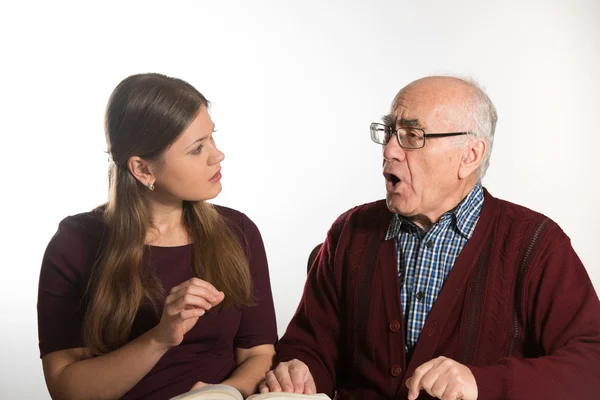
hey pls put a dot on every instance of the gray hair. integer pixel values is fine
(477, 113)
(481, 120)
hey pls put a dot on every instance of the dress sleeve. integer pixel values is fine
(257, 325)
(60, 305)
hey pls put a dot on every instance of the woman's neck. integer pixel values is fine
(167, 227)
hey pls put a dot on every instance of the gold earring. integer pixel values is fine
(150, 186)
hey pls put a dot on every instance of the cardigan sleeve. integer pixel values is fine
(313, 333)
(563, 319)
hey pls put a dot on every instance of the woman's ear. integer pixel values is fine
(141, 170)
(472, 158)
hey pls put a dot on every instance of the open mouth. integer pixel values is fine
(393, 179)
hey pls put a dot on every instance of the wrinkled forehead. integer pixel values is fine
(424, 107)
(413, 111)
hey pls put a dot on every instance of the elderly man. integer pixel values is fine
(442, 290)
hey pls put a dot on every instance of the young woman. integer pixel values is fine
(157, 291)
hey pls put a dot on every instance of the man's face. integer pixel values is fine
(419, 180)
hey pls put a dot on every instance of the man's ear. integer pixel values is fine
(472, 158)
(141, 170)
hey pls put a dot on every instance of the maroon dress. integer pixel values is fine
(207, 352)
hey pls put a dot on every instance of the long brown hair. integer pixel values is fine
(146, 113)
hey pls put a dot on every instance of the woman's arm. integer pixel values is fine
(253, 364)
(75, 374)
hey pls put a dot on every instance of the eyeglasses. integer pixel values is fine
(408, 138)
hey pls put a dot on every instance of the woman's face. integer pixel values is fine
(190, 168)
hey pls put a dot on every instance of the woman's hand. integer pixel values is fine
(199, 385)
(183, 306)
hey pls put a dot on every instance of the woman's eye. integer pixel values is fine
(197, 150)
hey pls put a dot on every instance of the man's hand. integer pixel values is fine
(443, 378)
(292, 376)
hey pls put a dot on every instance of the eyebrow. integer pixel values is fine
(389, 120)
(201, 139)
(410, 123)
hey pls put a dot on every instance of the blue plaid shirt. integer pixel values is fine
(426, 258)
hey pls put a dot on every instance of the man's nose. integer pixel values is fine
(393, 151)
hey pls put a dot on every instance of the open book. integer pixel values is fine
(225, 392)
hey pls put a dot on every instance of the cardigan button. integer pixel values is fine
(396, 370)
(394, 326)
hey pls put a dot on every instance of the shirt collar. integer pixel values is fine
(464, 216)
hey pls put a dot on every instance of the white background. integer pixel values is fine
(294, 86)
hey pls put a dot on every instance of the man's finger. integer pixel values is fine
(439, 386)
(414, 383)
(435, 380)
(263, 387)
(283, 377)
(272, 382)
(310, 387)
(298, 378)
(452, 392)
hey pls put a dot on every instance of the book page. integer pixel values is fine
(288, 396)
(211, 392)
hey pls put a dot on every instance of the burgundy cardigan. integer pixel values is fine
(518, 308)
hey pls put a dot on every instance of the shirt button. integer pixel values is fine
(394, 326)
(396, 370)
(429, 244)
(420, 296)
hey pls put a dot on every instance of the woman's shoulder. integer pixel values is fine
(87, 224)
(79, 233)
(238, 220)
(74, 248)
(229, 213)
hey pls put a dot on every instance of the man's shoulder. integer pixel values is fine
(517, 217)
(370, 216)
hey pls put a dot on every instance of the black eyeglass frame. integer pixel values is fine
(374, 125)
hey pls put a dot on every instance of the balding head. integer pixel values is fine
(452, 121)
(462, 104)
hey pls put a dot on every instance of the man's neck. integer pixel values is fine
(427, 220)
